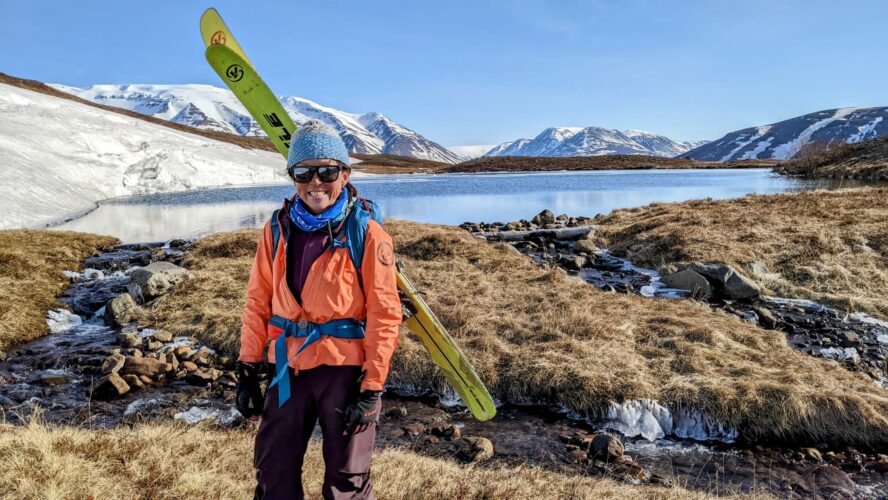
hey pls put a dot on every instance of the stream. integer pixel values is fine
(61, 375)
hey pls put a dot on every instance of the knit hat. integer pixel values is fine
(314, 140)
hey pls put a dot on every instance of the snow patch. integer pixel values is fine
(195, 414)
(788, 149)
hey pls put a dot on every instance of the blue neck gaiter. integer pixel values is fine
(309, 222)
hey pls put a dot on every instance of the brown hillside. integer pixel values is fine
(609, 162)
(863, 160)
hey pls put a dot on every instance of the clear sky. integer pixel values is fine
(484, 72)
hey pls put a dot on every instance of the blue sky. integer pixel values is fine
(483, 72)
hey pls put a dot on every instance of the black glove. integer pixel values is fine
(358, 416)
(249, 401)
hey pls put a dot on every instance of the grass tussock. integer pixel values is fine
(538, 335)
(31, 279)
(162, 461)
(828, 246)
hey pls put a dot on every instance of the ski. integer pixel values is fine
(230, 63)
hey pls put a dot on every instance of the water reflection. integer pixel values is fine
(442, 199)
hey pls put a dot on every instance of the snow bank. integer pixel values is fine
(59, 157)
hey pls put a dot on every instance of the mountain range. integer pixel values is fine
(213, 108)
(593, 141)
(783, 139)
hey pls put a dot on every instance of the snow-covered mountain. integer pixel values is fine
(782, 140)
(59, 157)
(213, 108)
(471, 151)
(592, 141)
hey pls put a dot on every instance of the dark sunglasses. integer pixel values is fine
(326, 173)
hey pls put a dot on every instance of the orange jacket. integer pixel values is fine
(332, 291)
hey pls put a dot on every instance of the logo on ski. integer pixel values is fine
(234, 72)
(218, 38)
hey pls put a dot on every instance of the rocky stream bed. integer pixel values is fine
(99, 368)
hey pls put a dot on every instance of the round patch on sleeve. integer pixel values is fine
(386, 254)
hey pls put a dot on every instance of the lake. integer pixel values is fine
(441, 199)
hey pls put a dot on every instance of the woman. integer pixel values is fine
(334, 320)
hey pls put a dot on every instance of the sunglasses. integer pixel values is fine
(326, 173)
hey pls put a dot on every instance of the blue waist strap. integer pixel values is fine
(345, 328)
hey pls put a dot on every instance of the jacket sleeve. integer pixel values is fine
(257, 311)
(383, 306)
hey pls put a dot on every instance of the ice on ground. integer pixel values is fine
(651, 420)
(142, 404)
(60, 320)
(195, 414)
(883, 338)
(841, 354)
(866, 318)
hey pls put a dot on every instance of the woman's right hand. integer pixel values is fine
(249, 401)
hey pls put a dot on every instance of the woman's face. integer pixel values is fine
(319, 196)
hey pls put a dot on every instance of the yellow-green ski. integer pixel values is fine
(229, 62)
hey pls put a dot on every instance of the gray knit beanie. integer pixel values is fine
(316, 139)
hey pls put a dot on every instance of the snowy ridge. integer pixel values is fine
(213, 108)
(60, 157)
(593, 141)
(782, 140)
(470, 152)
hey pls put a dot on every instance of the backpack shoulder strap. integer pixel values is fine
(275, 233)
(356, 228)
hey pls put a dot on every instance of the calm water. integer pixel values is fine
(442, 199)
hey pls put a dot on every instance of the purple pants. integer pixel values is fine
(318, 395)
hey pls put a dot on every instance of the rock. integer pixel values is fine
(741, 288)
(757, 268)
(129, 339)
(399, 412)
(813, 454)
(512, 226)
(145, 366)
(113, 364)
(543, 218)
(109, 387)
(120, 310)
(574, 263)
(578, 456)
(201, 377)
(153, 345)
(766, 319)
(849, 339)
(162, 336)
(444, 430)
(188, 366)
(154, 280)
(689, 280)
(587, 246)
(414, 429)
(54, 377)
(606, 447)
(716, 272)
(478, 449)
(145, 379)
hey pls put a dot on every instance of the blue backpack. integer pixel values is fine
(362, 210)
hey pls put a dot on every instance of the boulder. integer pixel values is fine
(715, 272)
(689, 280)
(113, 364)
(154, 280)
(145, 366)
(120, 310)
(477, 449)
(574, 263)
(766, 319)
(129, 339)
(543, 218)
(741, 288)
(162, 336)
(606, 447)
(109, 387)
(587, 246)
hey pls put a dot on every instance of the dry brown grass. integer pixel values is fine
(162, 461)
(828, 246)
(863, 160)
(31, 265)
(536, 335)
